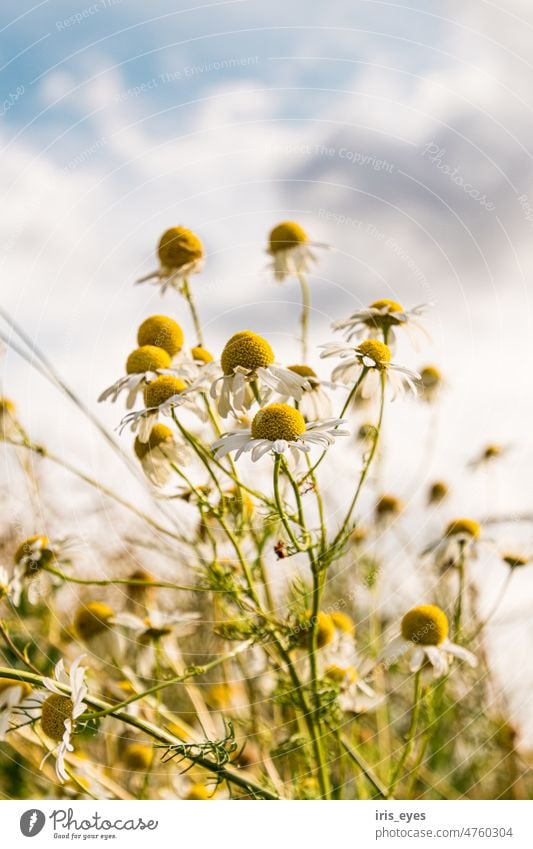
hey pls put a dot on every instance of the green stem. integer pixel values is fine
(363, 766)
(186, 291)
(132, 582)
(305, 314)
(410, 738)
(458, 613)
(280, 508)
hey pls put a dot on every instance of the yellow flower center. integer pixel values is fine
(138, 757)
(430, 376)
(278, 421)
(7, 406)
(375, 350)
(161, 331)
(200, 355)
(29, 549)
(325, 629)
(159, 434)
(339, 674)
(198, 791)
(286, 235)
(306, 371)
(392, 306)
(92, 619)
(343, 622)
(147, 358)
(437, 492)
(246, 350)
(178, 247)
(426, 625)
(515, 561)
(55, 709)
(7, 683)
(161, 389)
(492, 451)
(388, 505)
(468, 527)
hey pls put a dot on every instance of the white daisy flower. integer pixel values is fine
(143, 366)
(11, 586)
(161, 397)
(59, 711)
(159, 452)
(431, 383)
(180, 254)
(315, 403)
(31, 560)
(384, 315)
(290, 249)
(247, 364)
(374, 357)
(157, 629)
(277, 429)
(425, 637)
(461, 537)
(13, 694)
(355, 695)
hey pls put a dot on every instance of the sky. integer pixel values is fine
(398, 135)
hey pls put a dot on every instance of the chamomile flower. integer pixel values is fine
(59, 711)
(315, 402)
(355, 695)
(156, 630)
(437, 492)
(93, 625)
(387, 508)
(162, 332)
(374, 357)
(431, 383)
(277, 429)
(8, 419)
(11, 586)
(143, 365)
(290, 249)
(13, 694)
(31, 559)
(159, 452)
(161, 397)
(424, 636)
(384, 315)
(461, 538)
(181, 254)
(248, 362)
(490, 453)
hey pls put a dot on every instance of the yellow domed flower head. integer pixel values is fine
(140, 591)
(92, 619)
(161, 389)
(159, 435)
(464, 527)
(431, 381)
(7, 407)
(343, 622)
(179, 247)
(34, 554)
(325, 629)
(388, 506)
(375, 352)
(143, 365)
(278, 421)
(148, 358)
(249, 370)
(359, 535)
(305, 371)
(198, 792)
(515, 561)
(315, 403)
(437, 492)
(341, 674)
(161, 396)
(426, 625)
(369, 360)
(290, 249)
(163, 332)
(138, 757)
(276, 429)
(180, 253)
(201, 355)
(55, 710)
(384, 315)
(239, 503)
(246, 350)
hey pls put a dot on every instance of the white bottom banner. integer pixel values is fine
(313, 825)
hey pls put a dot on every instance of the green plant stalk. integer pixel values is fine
(161, 735)
(305, 314)
(280, 508)
(458, 612)
(410, 738)
(187, 294)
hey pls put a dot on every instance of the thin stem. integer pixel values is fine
(304, 317)
(458, 613)
(410, 738)
(186, 291)
(280, 508)
(132, 582)
(363, 766)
